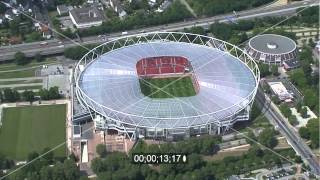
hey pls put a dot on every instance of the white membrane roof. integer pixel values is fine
(112, 87)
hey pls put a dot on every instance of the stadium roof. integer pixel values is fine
(272, 44)
(112, 81)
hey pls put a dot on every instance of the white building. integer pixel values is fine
(281, 91)
(86, 17)
(63, 9)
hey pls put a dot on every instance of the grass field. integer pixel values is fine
(179, 88)
(32, 128)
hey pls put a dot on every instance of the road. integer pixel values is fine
(276, 118)
(54, 46)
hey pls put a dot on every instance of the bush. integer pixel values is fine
(293, 120)
(285, 110)
(101, 150)
(21, 59)
(304, 112)
(267, 138)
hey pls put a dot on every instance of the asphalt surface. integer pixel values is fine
(55, 46)
(274, 115)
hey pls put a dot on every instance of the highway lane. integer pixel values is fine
(293, 138)
(55, 46)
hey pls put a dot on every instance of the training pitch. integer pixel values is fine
(170, 87)
(32, 128)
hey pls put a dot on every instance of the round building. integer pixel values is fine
(167, 85)
(272, 49)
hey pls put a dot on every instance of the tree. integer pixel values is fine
(48, 155)
(304, 133)
(58, 171)
(221, 31)
(298, 159)
(28, 96)
(101, 150)
(285, 110)
(97, 165)
(311, 132)
(299, 106)
(3, 8)
(304, 112)
(275, 100)
(313, 128)
(293, 120)
(54, 93)
(274, 70)
(71, 171)
(267, 138)
(34, 36)
(264, 70)
(21, 59)
(1, 96)
(38, 57)
(44, 94)
(312, 44)
(32, 156)
(46, 172)
(11, 95)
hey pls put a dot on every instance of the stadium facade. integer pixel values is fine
(272, 49)
(107, 84)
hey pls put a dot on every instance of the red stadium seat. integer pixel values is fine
(161, 65)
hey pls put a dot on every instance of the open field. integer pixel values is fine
(180, 88)
(20, 82)
(12, 70)
(17, 74)
(14, 66)
(32, 128)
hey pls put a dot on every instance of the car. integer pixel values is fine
(44, 43)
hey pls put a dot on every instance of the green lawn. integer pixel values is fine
(17, 74)
(14, 66)
(20, 82)
(32, 128)
(179, 88)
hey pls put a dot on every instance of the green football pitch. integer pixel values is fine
(175, 86)
(32, 128)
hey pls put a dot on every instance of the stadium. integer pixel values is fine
(272, 49)
(167, 85)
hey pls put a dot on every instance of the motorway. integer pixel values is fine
(55, 46)
(276, 118)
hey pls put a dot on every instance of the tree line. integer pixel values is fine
(311, 132)
(45, 167)
(12, 95)
(215, 7)
(117, 165)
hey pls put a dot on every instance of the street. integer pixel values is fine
(276, 118)
(54, 46)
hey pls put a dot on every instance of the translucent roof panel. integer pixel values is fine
(112, 81)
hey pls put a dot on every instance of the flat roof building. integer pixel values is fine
(280, 90)
(86, 17)
(288, 65)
